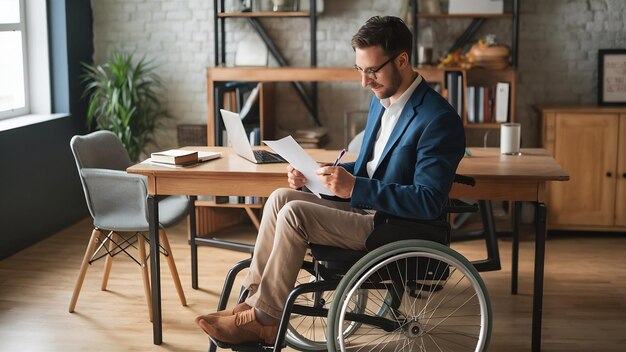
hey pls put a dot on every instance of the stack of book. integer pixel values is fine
(181, 157)
(488, 105)
(311, 137)
(479, 104)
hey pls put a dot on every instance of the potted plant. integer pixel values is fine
(123, 98)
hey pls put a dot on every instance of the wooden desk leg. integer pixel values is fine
(155, 267)
(516, 219)
(540, 249)
(192, 241)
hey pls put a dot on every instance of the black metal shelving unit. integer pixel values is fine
(309, 99)
(477, 21)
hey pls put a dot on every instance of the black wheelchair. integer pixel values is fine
(408, 292)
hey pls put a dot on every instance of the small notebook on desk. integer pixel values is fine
(175, 157)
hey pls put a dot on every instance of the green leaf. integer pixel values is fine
(123, 97)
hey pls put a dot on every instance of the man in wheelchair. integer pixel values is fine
(413, 143)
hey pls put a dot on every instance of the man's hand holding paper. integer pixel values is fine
(295, 178)
(291, 151)
(303, 170)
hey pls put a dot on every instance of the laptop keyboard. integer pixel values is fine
(265, 156)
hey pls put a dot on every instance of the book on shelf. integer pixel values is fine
(312, 137)
(255, 136)
(175, 157)
(250, 99)
(480, 102)
(502, 101)
(471, 104)
(488, 101)
(454, 84)
(459, 97)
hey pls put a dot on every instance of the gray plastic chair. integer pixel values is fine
(117, 203)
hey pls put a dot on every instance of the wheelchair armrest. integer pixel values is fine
(465, 180)
(459, 206)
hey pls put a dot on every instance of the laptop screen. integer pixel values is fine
(237, 134)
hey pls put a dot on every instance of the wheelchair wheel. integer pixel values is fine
(308, 333)
(433, 299)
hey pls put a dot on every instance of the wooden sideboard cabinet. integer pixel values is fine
(590, 143)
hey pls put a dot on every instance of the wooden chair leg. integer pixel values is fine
(108, 261)
(144, 272)
(172, 265)
(91, 247)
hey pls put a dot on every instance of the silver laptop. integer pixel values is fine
(240, 142)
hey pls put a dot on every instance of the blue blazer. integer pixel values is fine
(418, 164)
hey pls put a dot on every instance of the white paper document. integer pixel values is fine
(291, 151)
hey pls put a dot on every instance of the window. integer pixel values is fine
(13, 75)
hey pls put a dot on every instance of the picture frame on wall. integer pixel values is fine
(612, 77)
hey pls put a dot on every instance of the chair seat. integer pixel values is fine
(171, 210)
(335, 254)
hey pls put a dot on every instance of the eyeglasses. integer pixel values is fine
(371, 72)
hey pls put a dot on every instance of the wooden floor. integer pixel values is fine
(584, 302)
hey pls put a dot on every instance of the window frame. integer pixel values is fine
(21, 26)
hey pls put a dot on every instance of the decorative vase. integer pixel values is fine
(492, 57)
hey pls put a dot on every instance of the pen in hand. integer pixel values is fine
(343, 151)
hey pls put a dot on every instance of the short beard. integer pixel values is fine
(391, 88)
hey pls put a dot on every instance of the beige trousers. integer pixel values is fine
(291, 220)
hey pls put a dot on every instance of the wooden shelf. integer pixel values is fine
(464, 15)
(264, 14)
(282, 74)
(489, 125)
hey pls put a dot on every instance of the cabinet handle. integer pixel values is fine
(609, 174)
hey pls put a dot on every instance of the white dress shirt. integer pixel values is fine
(388, 122)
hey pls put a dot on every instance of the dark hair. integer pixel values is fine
(389, 32)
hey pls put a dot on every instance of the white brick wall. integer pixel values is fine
(558, 46)
(559, 42)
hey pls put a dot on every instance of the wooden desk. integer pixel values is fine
(516, 178)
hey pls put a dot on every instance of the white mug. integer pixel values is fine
(510, 136)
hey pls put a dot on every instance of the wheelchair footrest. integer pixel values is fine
(245, 347)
